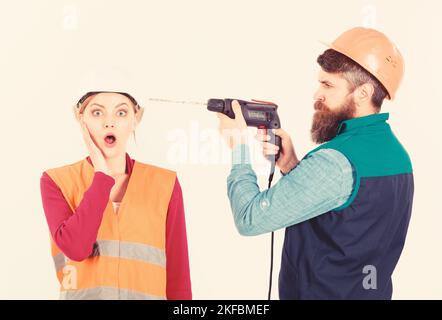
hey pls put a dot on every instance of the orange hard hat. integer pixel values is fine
(373, 51)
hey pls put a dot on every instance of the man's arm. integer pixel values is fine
(318, 184)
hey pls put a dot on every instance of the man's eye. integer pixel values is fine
(122, 113)
(96, 112)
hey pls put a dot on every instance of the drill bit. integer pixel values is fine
(199, 103)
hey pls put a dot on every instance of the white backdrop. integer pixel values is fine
(196, 50)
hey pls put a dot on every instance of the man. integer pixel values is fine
(346, 205)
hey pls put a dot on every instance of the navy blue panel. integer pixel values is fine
(324, 258)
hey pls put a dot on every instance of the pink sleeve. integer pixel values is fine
(75, 234)
(177, 260)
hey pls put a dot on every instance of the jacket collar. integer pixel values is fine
(373, 119)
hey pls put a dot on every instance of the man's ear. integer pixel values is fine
(364, 93)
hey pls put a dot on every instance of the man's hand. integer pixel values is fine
(287, 159)
(234, 131)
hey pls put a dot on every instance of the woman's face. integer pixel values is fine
(108, 114)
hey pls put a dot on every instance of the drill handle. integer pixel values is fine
(276, 140)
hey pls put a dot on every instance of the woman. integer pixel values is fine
(117, 225)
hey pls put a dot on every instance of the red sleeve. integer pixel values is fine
(75, 234)
(177, 260)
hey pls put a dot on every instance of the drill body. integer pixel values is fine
(259, 114)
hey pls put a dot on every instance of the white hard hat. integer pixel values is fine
(108, 80)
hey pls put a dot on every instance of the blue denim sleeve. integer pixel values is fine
(319, 183)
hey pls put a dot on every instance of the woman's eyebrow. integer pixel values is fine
(101, 106)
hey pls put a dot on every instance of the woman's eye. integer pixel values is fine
(122, 113)
(96, 112)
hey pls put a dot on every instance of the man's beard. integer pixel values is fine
(326, 122)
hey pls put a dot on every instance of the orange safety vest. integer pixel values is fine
(129, 259)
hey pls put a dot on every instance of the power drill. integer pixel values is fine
(260, 114)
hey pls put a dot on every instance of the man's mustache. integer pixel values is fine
(319, 106)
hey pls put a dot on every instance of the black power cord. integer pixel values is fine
(273, 160)
(271, 266)
(272, 171)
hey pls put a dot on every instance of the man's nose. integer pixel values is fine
(318, 96)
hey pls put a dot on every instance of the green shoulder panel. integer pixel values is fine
(373, 151)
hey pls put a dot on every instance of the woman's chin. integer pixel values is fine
(110, 152)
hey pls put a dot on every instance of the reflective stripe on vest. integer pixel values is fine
(126, 250)
(128, 260)
(106, 293)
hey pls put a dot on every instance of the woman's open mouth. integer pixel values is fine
(110, 140)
